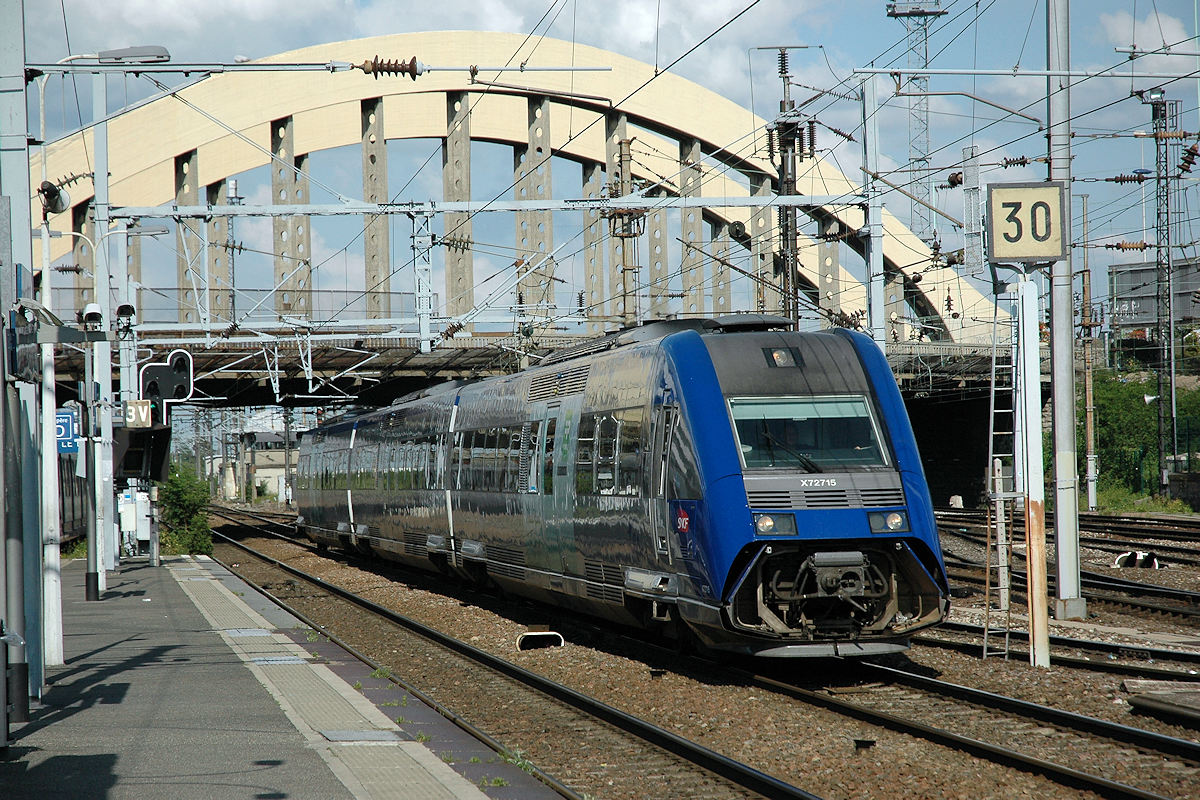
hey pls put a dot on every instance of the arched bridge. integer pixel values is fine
(615, 129)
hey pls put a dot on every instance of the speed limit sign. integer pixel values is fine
(1025, 222)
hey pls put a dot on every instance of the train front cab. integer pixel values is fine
(842, 555)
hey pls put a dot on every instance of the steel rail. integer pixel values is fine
(1111, 667)
(993, 753)
(1124, 734)
(741, 774)
(1114, 648)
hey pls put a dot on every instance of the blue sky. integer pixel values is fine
(982, 34)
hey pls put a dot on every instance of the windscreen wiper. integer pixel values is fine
(804, 460)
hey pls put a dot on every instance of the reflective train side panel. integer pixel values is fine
(758, 490)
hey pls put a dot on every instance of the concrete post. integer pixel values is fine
(1068, 604)
(376, 236)
(691, 229)
(456, 185)
(1029, 376)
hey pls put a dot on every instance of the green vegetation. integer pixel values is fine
(486, 782)
(517, 758)
(420, 737)
(381, 672)
(183, 501)
(1127, 441)
(75, 549)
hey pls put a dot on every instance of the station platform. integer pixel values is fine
(184, 682)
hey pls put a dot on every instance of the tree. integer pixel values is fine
(1126, 428)
(183, 502)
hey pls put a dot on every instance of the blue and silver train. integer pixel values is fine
(752, 489)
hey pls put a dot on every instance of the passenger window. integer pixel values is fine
(606, 450)
(548, 460)
(683, 476)
(585, 480)
(629, 453)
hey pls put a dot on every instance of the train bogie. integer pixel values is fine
(758, 486)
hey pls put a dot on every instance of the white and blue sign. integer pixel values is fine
(66, 430)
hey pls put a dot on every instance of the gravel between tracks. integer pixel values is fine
(809, 747)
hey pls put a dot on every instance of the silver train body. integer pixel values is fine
(755, 489)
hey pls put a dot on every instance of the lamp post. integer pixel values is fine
(100, 465)
(98, 372)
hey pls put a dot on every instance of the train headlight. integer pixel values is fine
(774, 524)
(888, 521)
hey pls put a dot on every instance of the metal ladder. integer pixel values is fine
(1004, 482)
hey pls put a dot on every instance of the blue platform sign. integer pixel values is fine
(66, 430)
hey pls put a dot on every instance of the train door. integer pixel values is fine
(663, 420)
(558, 496)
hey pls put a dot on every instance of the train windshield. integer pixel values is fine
(813, 434)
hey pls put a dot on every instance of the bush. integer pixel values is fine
(183, 503)
(1114, 497)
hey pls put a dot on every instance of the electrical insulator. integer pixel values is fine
(1189, 159)
(1126, 246)
(949, 301)
(1016, 162)
(380, 66)
(1127, 179)
(579, 303)
(954, 179)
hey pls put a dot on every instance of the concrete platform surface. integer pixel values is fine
(176, 687)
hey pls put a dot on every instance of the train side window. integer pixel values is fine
(526, 455)
(585, 453)
(490, 465)
(511, 441)
(606, 454)
(462, 460)
(683, 476)
(302, 475)
(437, 454)
(629, 452)
(548, 461)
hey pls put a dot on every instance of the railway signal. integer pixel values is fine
(166, 383)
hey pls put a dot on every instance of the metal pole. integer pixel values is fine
(287, 456)
(1029, 376)
(787, 131)
(8, 609)
(91, 578)
(1089, 406)
(16, 248)
(52, 635)
(1158, 106)
(102, 454)
(876, 312)
(1068, 604)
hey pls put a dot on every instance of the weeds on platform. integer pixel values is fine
(183, 503)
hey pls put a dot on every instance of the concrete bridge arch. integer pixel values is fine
(174, 150)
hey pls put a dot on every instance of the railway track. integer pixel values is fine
(452, 672)
(897, 705)
(1098, 587)
(1129, 660)
(1128, 530)
(1082, 752)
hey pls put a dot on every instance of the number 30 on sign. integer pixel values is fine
(1025, 222)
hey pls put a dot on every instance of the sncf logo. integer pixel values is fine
(682, 521)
